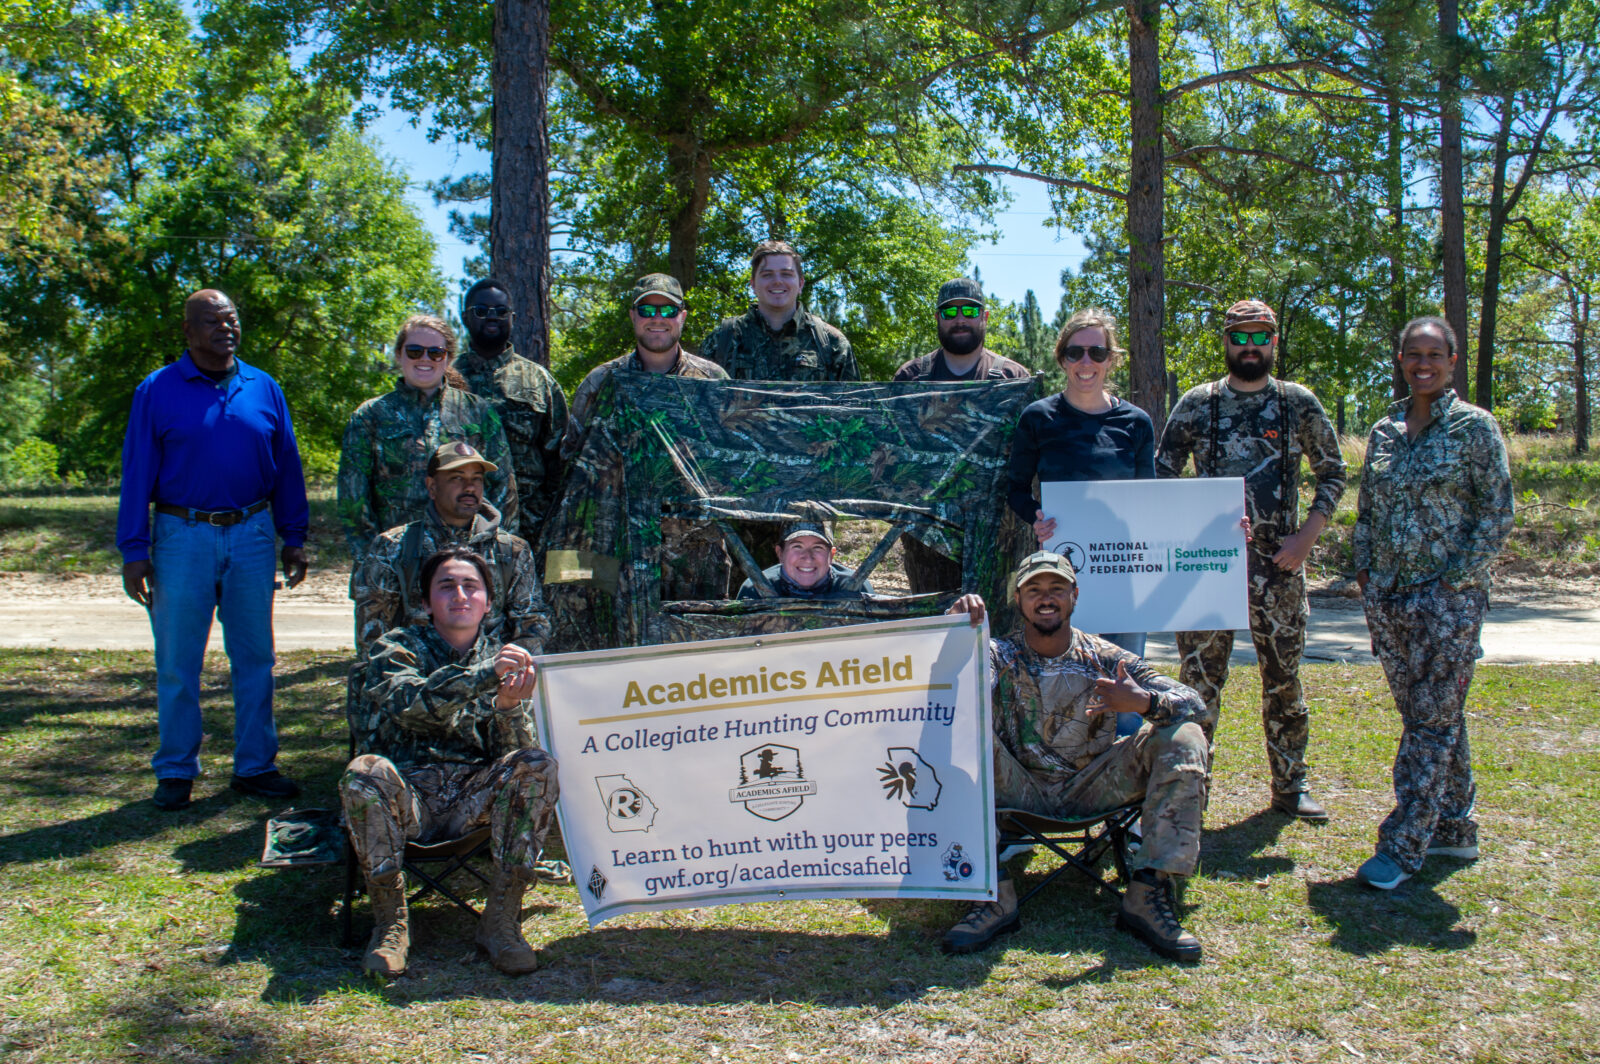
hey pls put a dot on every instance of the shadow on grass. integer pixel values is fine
(1367, 921)
(1237, 847)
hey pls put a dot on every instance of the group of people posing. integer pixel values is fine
(444, 481)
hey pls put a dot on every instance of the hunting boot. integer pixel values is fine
(391, 937)
(500, 927)
(985, 921)
(1147, 911)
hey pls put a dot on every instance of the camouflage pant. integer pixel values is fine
(385, 807)
(1278, 614)
(1427, 639)
(1168, 768)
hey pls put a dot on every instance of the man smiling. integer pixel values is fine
(778, 339)
(806, 567)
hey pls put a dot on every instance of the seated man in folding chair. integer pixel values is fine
(1057, 693)
(446, 747)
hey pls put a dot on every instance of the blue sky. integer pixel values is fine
(1027, 255)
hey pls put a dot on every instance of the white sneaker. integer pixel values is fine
(1016, 849)
(1466, 853)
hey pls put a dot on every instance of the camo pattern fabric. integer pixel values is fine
(1278, 615)
(1426, 637)
(533, 411)
(516, 610)
(1054, 758)
(384, 459)
(385, 807)
(422, 703)
(1437, 506)
(1249, 442)
(805, 349)
(931, 458)
(687, 365)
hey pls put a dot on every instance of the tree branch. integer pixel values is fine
(1058, 182)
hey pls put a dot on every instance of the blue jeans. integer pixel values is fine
(1133, 643)
(201, 570)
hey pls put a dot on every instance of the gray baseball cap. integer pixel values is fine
(960, 290)
(657, 284)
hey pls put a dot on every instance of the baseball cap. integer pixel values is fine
(457, 453)
(1038, 564)
(1249, 312)
(807, 528)
(657, 284)
(962, 290)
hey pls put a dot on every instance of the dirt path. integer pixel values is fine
(1529, 621)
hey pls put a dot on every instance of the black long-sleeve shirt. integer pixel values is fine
(1057, 441)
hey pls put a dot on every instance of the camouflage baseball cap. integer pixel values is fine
(454, 455)
(1038, 564)
(1249, 312)
(807, 528)
(960, 290)
(657, 284)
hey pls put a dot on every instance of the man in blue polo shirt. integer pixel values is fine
(210, 443)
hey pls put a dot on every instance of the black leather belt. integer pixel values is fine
(220, 518)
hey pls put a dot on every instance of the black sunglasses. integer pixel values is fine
(1260, 339)
(1074, 352)
(966, 310)
(481, 312)
(655, 310)
(432, 354)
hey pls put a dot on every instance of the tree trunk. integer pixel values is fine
(1451, 194)
(519, 201)
(690, 174)
(1395, 195)
(1493, 248)
(1146, 255)
(1580, 380)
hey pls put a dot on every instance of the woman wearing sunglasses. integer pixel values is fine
(1082, 433)
(383, 462)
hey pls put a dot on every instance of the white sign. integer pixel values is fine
(843, 763)
(1153, 555)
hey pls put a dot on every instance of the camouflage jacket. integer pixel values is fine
(828, 589)
(583, 399)
(1436, 506)
(1041, 704)
(423, 703)
(388, 593)
(385, 455)
(533, 410)
(805, 349)
(1260, 436)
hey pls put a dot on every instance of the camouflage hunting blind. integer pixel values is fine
(676, 477)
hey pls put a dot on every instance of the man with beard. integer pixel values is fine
(656, 311)
(531, 406)
(1254, 426)
(1057, 693)
(778, 339)
(387, 588)
(962, 319)
(694, 562)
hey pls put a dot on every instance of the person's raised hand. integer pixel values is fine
(1043, 527)
(971, 605)
(1120, 695)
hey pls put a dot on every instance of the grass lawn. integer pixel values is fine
(128, 934)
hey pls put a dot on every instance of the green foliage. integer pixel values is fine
(33, 463)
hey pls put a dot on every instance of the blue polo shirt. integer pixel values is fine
(209, 445)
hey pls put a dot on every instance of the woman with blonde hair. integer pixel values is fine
(387, 444)
(1082, 432)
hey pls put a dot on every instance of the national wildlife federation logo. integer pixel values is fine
(628, 808)
(772, 782)
(909, 778)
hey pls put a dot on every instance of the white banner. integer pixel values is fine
(843, 763)
(1153, 555)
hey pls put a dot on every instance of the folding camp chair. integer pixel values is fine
(1080, 843)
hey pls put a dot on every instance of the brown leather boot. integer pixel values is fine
(390, 943)
(1147, 911)
(985, 921)
(500, 927)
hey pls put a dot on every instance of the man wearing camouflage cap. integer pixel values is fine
(806, 567)
(531, 405)
(1252, 425)
(656, 310)
(387, 589)
(961, 316)
(1056, 695)
(778, 339)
